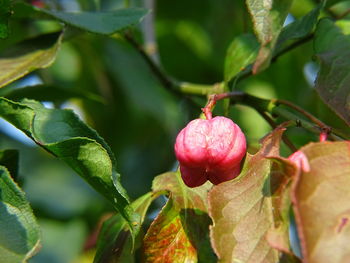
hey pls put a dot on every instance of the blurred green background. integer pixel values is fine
(118, 95)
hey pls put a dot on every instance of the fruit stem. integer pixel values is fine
(214, 98)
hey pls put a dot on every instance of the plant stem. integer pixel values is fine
(195, 89)
(312, 118)
(200, 89)
(292, 46)
(261, 105)
(273, 124)
(271, 107)
(249, 72)
(284, 113)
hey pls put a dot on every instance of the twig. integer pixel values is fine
(272, 123)
(270, 106)
(304, 123)
(249, 71)
(292, 46)
(260, 105)
(325, 128)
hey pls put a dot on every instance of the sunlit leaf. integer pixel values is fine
(241, 52)
(28, 56)
(242, 209)
(166, 239)
(268, 17)
(19, 231)
(183, 196)
(63, 134)
(321, 203)
(185, 212)
(332, 48)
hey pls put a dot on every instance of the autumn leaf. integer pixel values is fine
(321, 203)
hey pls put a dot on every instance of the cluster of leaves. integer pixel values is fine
(247, 219)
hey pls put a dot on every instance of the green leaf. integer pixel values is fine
(5, 13)
(9, 159)
(187, 211)
(242, 209)
(166, 239)
(183, 196)
(332, 48)
(64, 135)
(301, 27)
(105, 23)
(19, 231)
(28, 56)
(114, 240)
(268, 17)
(241, 53)
(321, 203)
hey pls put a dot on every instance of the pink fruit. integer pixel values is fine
(210, 150)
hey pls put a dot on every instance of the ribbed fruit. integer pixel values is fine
(210, 150)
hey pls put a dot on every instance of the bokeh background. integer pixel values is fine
(110, 86)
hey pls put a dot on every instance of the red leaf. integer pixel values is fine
(321, 203)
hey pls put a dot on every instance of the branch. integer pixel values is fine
(249, 72)
(292, 46)
(273, 124)
(271, 107)
(196, 89)
(261, 105)
(325, 128)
